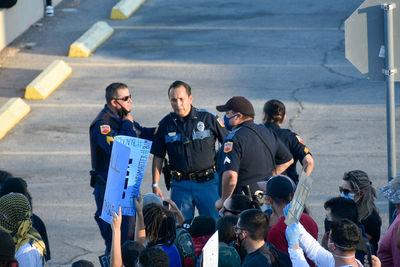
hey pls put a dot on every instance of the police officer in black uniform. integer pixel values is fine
(188, 136)
(274, 116)
(250, 152)
(114, 119)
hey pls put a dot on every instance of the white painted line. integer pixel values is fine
(45, 153)
(134, 106)
(224, 28)
(141, 64)
(60, 205)
(42, 105)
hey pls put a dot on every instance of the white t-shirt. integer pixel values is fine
(29, 256)
(314, 251)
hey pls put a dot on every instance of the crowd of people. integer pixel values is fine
(243, 191)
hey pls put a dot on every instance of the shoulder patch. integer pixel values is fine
(105, 128)
(221, 122)
(306, 150)
(300, 140)
(228, 146)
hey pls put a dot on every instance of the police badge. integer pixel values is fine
(200, 126)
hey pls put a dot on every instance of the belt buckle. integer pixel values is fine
(192, 176)
(177, 176)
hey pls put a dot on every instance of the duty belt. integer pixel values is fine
(199, 176)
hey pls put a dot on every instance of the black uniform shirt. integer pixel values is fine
(102, 131)
(296, 146)
(245, 153)
(201, 129)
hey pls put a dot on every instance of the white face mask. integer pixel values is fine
(339, 256)
(349, 195)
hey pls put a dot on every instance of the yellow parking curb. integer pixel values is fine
(90, 40)
(48, 80)
(11, 113)
(125, 8)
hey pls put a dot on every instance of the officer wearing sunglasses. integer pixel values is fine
(114, 119)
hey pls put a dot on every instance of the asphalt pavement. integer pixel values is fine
(288, 50)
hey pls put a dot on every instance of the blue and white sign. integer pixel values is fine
(127, 166)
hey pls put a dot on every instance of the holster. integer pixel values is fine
(94, 178)
(166, 170)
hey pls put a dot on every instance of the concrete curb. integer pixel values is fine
(11, 113)
(125, 8)
(48, 80)
(90, 40)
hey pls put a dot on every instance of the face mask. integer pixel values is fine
(339, 256)
(239, 241)
(349, 195)
(226, 122)
(122, 112)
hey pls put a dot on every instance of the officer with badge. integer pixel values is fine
(114, 119)
(273, 116)
(188, 136)
(250, 153)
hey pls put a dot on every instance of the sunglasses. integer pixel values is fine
(125, 98)
(344, 190)
(238, 230)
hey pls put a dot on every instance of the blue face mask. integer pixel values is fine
(349, 195)
(226, 122)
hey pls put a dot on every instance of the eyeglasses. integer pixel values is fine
(234, 212)
(238, 229)
(344, 190)
(125, 98)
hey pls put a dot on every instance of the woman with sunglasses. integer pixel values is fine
(356, 185)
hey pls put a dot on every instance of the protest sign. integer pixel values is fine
(210, 251)
(127, 165)
(299, 199)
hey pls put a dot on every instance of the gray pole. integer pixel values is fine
(390, 71)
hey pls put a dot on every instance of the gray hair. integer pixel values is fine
(359, 180)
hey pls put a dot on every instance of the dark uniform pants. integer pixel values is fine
(105, 228)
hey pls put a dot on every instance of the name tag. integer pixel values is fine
(172, 138)
(200, 135)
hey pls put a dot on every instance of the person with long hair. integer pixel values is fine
(155, 227)
(356, 185)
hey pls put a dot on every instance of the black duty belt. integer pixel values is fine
(199, 176)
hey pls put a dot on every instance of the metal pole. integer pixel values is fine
(390, 71)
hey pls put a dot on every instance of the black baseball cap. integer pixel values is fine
(278, 186)
(238, 104)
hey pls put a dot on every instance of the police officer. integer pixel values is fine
(250, 152)
(188, 135)
(114, 119)
(273, 116)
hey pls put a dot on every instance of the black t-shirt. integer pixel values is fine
(372, 225)
(267, 255)
(245, 153)
(295, 145)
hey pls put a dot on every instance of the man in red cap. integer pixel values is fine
(250, 152)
